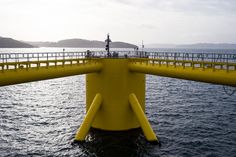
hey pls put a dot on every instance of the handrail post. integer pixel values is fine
(27, 65)
(192, 61)
(47, 61)
(227, 62)
(184, 60)
(213, 63)
(63, 62)
(175, 59)
(38, 65)
(203, 67)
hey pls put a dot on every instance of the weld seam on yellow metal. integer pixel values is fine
(89, 118)
(145, 125)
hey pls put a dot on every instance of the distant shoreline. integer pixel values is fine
(82, 43)
(194, 46)
(72, 43)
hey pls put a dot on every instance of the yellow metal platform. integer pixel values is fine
(115, 83)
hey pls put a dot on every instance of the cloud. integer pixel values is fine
(189, 6)
(205, 6)
(148, 26)
(168, 21)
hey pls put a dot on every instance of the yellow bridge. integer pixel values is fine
(115, 82)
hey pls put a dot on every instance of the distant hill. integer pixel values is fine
(160, 46)
(194, 46)
(11, 43)
(82, 43)
(209, 46)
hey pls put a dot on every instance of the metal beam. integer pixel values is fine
(11, 77)
(207, 75)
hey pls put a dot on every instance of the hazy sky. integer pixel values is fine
(154, 21)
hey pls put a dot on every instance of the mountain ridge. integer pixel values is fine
(75, 43)
(12, 43)
(82, 43)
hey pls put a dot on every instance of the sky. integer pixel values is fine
(153, 21)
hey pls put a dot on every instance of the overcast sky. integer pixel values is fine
(154, 21)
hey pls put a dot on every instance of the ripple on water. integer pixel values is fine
(190, 119)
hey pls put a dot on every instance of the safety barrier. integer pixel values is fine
(195, 60)
(14, 61)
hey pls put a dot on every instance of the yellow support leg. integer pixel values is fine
(145, 125)
(88, 120)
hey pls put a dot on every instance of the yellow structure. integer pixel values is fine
(120, 109)
(146, 127)
(91, 114)
(115, 83)
(209, 75)
(11, 77)
(115, 87)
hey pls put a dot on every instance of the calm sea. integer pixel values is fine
(190, 119)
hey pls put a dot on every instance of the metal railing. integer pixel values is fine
(209, 57)
(203, 60)
(9, 61)
(27, 57)
(194, 60)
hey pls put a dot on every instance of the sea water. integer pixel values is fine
(189, 118)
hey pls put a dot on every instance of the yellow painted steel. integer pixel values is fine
(89, 118)
(115, 82)
(145, 125)
(207, 75)
(10, 77)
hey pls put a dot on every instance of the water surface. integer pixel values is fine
(190, 119)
